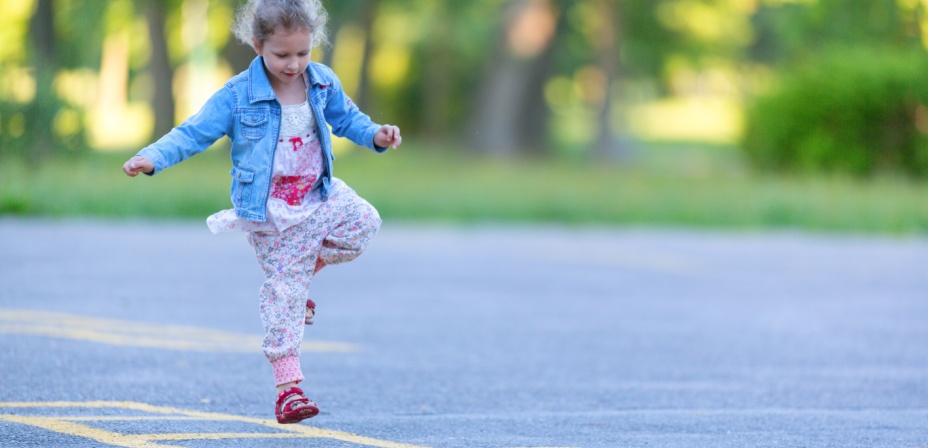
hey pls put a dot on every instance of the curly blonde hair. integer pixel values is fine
(259, 18)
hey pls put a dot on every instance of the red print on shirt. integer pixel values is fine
(297, 143)
(292, 189)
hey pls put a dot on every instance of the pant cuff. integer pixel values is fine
(287, 370)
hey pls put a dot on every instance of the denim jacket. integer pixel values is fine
(247, 111)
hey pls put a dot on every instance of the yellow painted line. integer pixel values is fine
(116, 418)
(225, 435)
(141, 334)
(131, 405)
(74, 429)
(67, 425)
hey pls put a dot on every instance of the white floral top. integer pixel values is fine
(297, 165)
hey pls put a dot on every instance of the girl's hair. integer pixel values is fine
(259, 19)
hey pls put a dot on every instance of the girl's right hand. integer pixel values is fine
(138, 164)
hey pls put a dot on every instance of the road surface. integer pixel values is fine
(146, 334)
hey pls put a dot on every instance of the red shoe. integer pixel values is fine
(311, 310)
(288, 406)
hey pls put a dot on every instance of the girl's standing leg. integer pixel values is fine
(287, 259)
(337, 232)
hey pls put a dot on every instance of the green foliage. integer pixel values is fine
(795, 31)
(855, 111)
(28, 130)
(80, 32)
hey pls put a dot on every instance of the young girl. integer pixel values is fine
(299, 218)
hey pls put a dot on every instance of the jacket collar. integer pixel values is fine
(315, 78)
(259, 86)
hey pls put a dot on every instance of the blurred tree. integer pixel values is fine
(239, 55)
(838, 115)
(40, 113)
(598, 46)
(482, 69)
(63, 35)
(80, 26)
(509, 117)
(609, 36)
(849, 95)
(360, 14)
(646, 41)
(162, 71)
(787, 33)
(437, 77)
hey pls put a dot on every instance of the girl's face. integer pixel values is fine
(286, 54)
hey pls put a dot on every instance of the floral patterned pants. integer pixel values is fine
(337, 232)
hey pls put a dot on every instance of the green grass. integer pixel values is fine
(669, 185)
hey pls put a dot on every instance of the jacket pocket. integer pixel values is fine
(254, 124)
(242, 185)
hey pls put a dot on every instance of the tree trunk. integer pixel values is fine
(340, 12)
(367, 13)
(161, 69)
(437, 77)
(532, 127)
(41, 113)
(330, 48)
(238, 55)
(608, 146)
(500, 123)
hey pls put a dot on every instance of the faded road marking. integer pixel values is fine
(141, 334)
(67, 425)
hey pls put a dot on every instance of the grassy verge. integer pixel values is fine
(664, 186)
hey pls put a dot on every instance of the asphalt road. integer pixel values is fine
(145, 334)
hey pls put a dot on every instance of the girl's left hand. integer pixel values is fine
(388, 135)
(138, 164)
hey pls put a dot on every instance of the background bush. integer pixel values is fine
(856, 111)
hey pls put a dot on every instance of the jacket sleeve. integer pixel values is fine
(346, 118)
(194, 135)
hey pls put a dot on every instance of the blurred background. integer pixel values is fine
(721, 113)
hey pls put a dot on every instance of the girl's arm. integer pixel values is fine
(191, 137)
(348, 121)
